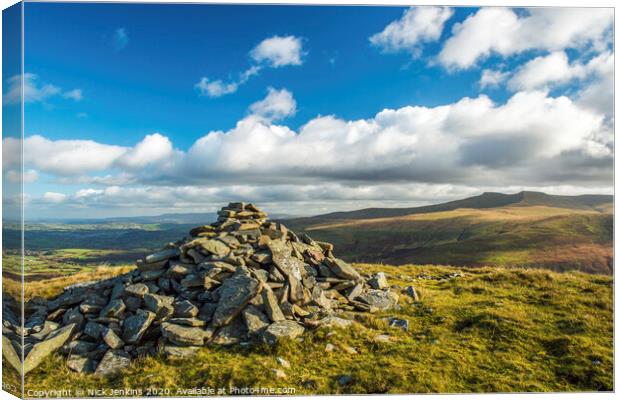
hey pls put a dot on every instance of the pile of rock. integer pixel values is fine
(241, 279)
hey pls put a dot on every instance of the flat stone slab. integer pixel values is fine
(380, 299)
(183, 335)
(113, 362)
(282, 330)
(235, 293)
(135, 326)
(342, 269)
(45, 348)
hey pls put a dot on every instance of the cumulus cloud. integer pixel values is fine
(54, 197)
(153, 149)
(277, 105)
(471, 141)
(492, 78)
(278, 51)
(34, 91)
(555, 69)
(417, 26)
(273, 52)
(79, 157)
(505, 32)
(533, 140)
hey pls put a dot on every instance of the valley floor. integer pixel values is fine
(483, 330)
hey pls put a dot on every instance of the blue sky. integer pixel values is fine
(114, 92)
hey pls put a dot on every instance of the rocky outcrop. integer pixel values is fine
(242, 278)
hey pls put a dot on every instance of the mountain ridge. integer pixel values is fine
(483, 201)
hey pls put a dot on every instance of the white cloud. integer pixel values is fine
(154, 148)
(34, 91)
(80, 157)
(278, 51)
(532, 140)
(417, 26)
(543, 71)
(277, 105)
(492, 78)
(465, 140)
(69, 157)
(215, 88)
(473, 140)
(75, 94)
(598, 95)
(274, 52)
(595, 77)
(53, 197)
(502, 31)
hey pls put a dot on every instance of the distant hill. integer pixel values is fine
(483, 201)
(525, 230)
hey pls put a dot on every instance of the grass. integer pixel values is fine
(491, 330)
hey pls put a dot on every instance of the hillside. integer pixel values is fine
(527, 229)
(479, 330)
(483, 201)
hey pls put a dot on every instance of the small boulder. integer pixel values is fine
(113, 362)
(378, 281)
(280, 330)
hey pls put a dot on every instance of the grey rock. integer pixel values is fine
(137, 290)
(154, 266)
(111, 339)
(214, 247)
(45, 348)
(335, 322)
(411, 292)
(151, 275)
(255, 320)
(399, 323)
(162, 255)
(73, 316)
(160, 305)
(206, 311)
(10, 355)
(185, 309)
(81, 364)
(79, 347)
(284, 261)
(93, 329)
(235, 293)
(135, 326)
(48, 327)
(381, 300)
(342, 269)
(271, 305)
(232, 333)
(133, 303)
(183, 335)
(378, 281)
(113, 362)
(114, 309)
(280, 330)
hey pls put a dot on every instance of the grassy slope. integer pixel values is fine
(522, 236)
(492, 330)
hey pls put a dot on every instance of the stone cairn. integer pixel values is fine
(242, 279)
